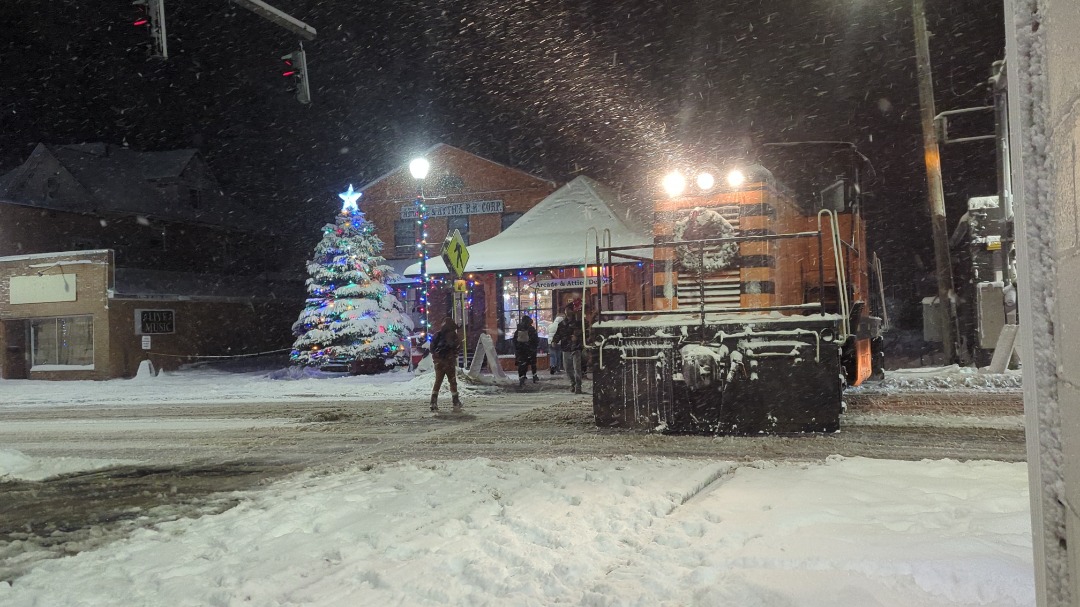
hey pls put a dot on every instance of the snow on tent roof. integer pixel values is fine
(552, 234)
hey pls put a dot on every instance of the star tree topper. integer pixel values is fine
(350, 197)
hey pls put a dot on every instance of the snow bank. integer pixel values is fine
(952, 377)
(207, 386)
(16, 465)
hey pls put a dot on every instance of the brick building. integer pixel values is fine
(526, 237)
(478, 197)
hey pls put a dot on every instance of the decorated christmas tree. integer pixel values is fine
(351, 315)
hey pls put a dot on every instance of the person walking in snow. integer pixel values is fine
(554, 353)
(572, 345)
(444, 352)
(525, 343)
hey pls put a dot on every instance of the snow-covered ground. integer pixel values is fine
(952, 377)
(570, 530)
(212, 385)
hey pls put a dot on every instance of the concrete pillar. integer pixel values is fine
(1044, 94)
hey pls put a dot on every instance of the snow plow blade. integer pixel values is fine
(740, 378)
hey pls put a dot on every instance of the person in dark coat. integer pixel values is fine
(445, 347)
(525, 343)
(572, 344)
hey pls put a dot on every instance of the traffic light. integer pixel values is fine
(151, 15)
(296, 68)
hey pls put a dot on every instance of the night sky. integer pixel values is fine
(617, 90)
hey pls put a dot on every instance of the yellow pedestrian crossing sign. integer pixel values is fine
(455, 253)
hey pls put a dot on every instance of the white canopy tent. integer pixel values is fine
(553, 233)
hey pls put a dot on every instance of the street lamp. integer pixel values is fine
(418, 168)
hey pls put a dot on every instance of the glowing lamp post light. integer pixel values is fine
(419, 168)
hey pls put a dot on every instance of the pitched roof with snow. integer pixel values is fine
(107, 178)
(553, 233)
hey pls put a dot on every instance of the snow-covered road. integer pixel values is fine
(521, 498)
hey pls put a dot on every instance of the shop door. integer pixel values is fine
(15, 365)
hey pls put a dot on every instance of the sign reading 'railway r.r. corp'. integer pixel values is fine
(454, 209)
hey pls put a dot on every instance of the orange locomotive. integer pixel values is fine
(760, 312)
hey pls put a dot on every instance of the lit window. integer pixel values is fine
(62, 343)
(520, 299)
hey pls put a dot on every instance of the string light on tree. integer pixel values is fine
(351, 314)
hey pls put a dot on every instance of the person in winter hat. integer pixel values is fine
(572, 344)
(444, 352)
(525, 343)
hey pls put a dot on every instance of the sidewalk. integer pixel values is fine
(547, 382)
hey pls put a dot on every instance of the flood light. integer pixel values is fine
(705, 181)
(674, 183)
(736, 178)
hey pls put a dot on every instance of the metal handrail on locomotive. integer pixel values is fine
(760, 312)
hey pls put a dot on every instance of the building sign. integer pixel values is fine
(566, 283)
(155, 322)
(453, 209)
(145, 342)
(42, 289)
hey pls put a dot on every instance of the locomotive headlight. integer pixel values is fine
(705, 181)
(736, 178)
(674, 183)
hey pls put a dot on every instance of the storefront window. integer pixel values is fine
(62, 342)
(520, 299)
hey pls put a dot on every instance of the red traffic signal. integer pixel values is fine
(142, 14)
(290, 69)
(296, 69)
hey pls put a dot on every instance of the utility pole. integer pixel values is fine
(934, 190)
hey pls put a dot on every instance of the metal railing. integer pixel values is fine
(607, 256)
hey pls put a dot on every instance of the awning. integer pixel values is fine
(553, 234)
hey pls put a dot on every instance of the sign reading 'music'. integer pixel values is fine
(155, 322)
(566, 283)
(453, 209)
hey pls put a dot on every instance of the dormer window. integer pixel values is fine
(195, 198)
(52, 187)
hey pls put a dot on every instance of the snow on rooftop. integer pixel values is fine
(555, 233)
